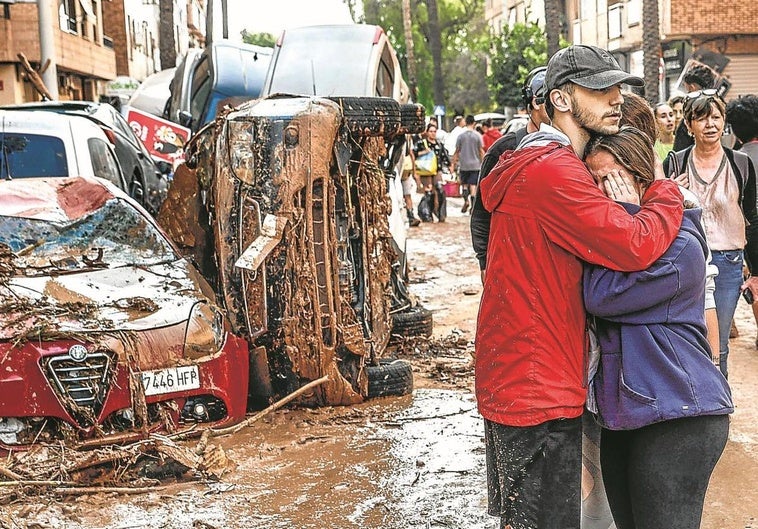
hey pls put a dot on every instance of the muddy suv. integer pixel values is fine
(283, 204)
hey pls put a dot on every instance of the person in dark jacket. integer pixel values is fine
(533, 94)
(662, 403)
(742, 115)
(724, 182)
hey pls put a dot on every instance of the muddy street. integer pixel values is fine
(414, 461)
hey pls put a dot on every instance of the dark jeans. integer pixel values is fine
(534, 474)
(656, 477)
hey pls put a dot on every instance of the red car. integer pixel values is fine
(106, 332)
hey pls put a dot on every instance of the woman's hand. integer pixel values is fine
(683, 180)
(620, 187)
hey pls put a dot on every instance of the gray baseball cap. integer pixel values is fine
(587, 66)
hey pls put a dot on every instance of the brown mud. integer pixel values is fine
(392, 463)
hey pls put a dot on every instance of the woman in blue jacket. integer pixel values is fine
(661, 402)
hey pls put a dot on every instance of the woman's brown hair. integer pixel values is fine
(636, 111)
(631, 149)
(701, 106)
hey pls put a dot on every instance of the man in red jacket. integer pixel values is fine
(548, 216)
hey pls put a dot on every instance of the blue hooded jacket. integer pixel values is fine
(655, 362)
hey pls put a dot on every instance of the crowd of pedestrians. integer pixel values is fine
(627, 226)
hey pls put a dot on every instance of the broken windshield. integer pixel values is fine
(113, 236)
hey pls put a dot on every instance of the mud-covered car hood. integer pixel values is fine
(119, 299)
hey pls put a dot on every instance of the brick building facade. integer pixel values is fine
(725, 32)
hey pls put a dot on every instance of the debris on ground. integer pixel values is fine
(448, 359)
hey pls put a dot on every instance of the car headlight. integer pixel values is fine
(205, 331)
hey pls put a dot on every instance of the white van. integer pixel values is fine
(336, 60)
(44, 144)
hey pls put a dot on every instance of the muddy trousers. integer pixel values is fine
(656, 476)
(440, 202)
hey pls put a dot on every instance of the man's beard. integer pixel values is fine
(592, 124)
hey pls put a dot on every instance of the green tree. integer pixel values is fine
(464, 44)
(259, 39)
(516, 52)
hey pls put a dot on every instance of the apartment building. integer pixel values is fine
(85, 58)
(722, 34)
(95, 42)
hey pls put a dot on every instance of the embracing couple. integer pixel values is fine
(582, 231)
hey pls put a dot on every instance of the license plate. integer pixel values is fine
(170, 380)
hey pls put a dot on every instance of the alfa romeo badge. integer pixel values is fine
(77, 352)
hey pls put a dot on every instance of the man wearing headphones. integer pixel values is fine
(533, 98)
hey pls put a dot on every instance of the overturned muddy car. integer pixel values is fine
(106, 333)
(284, 204)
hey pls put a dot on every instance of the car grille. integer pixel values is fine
(82, 385)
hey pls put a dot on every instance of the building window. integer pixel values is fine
(576, 31)
(587, 9)
(634, 12)
(67, 15)
(615, 13)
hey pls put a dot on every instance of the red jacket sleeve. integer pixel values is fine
(578, 217)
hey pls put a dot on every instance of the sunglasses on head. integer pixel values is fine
(708, 92)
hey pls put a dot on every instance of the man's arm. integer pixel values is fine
(577, 216)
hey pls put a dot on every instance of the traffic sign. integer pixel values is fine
(439, 110)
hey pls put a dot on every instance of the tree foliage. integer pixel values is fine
(259, 39)
(516, 52)
(464, 41)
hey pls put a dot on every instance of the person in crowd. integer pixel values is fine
(676, 102)
(432, 184)
(742, 115)
(724, 183)
(533, 98)
(699, 77)
(664, 430)
(410, 180)
(459, 126)
(469, 151)
(441, 133)
(664, 119)
(548, 216)
(490, 133)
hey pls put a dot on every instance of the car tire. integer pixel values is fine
(413, 321)
(412, 119)
(370, 116)
(390, 378)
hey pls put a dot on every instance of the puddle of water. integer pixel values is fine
(415, 461)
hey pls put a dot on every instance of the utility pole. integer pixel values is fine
(209, 23)
(224, 20)
(49, 72)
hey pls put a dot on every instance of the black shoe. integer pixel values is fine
(464, 209)
(413, 221)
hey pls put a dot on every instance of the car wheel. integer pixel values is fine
(370, 116)
(390, 378)
(414, 321)
(412, 119)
